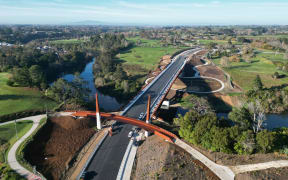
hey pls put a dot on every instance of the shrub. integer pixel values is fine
(265, 141)
(241, 117)
(284, 150)
(276, 75)
(245, 143)
(258, 85)
(221, 140)
(10, 82)
(203, 126)
(6, 173)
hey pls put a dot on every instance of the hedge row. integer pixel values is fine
(23, 114)
(18, 115)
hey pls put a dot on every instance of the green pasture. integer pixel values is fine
(244, 73)
(17, 99)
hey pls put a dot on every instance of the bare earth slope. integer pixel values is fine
(57, 143)
(157, 159)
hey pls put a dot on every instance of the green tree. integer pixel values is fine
(120, 74)
(21, 77)
(75, 92)
(258, 85)
(203, 128)
(79, 88)
(245, 143)
(187, 124)
(125, 86)
(60, 90)
(276, 75)
(221, 140)
(4, 145)
(211, 45)
(36, 75)
(241, 117)
(265, 141)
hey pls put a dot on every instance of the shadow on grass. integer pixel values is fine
(238, 66)
(14, 97)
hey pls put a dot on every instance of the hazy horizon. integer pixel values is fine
(160, 12)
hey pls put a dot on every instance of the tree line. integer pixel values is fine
(32, 68)
(244, 132)
(108, 72)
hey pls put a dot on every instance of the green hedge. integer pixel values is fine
(18, 115)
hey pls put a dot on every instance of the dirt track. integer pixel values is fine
(57, 143)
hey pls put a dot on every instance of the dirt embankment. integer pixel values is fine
(234, 159)
(57, 143)
(157, 159)
(272, 173)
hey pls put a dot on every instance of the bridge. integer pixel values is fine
(139, 123)
(106, 161)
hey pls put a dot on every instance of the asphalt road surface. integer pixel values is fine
(106, 161)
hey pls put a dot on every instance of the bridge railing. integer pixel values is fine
(148, 86)
(167, 87)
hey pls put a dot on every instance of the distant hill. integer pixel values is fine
(88, 22)
(91, 23)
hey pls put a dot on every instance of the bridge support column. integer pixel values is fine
(148, 115)
(98, 117)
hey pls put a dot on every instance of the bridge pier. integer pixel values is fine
(148, 121)
(98, 117)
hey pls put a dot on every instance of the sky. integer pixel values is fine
(146, 12)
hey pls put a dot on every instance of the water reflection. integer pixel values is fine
(108, 103)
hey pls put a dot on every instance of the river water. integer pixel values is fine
(277, 120)
(108, 103)
(273, 120)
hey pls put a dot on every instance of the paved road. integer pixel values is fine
(106, 162)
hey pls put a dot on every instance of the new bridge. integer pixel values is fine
(106, 161)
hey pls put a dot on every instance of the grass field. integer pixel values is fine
(243, 73)
(146, 57)
(221, 42)
(8, 133)
(146, 42)
(67, 41)
(140, 59)
(272, 56)
(17, 99)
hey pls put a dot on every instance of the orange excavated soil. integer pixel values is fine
(57, 143)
